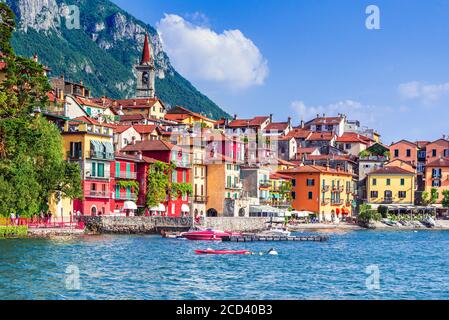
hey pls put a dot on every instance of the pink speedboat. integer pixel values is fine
(206, 235)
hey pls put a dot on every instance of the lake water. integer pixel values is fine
(410, 265)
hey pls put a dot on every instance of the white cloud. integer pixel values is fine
(200, 53)
(426, 93)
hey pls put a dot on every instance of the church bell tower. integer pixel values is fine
(145, 73)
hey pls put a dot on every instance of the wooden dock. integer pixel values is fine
(273, 238)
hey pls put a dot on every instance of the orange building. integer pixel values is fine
(406, 151)
(324, 191)
(437, 177)
(437, 149)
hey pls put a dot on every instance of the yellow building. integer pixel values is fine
(391, 186)
(324, 191)
(187, 117)
(150, 108)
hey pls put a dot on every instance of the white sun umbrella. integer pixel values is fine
(129, 205)
(185, 208)
(161, 208)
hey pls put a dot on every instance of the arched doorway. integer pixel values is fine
(242, 212)
(212, 213)
(93, 211)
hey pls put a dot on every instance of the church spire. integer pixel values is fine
(146, 54)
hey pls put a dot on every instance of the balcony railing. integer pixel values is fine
(237, 186)
(387, 200)
(101, 155)
(75, 155)
(325, 189)
(98, 194)
(337, 202)
(126, 196)
(325, 202)
(198, 162)
(338, 189)
(126, 175)
(265, 184)
(200, 199)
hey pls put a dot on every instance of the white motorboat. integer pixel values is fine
(277, 232)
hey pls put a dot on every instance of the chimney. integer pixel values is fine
(302, 124)
(289, 121)
(271, 117)
(235, 117)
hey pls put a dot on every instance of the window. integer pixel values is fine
(117, 169)
(174, 176)
(229, 167)
(409, 153)
(402, 194)
(310, 195)
(293, 195)
(396, 153)
(402, 182)
(310, 182)
(374, 182)
(94, 169)
(388, 182)
(184, 176)
(436, 183)
(229, 181)
(374, 194)
(101, 170)
(347, 146)
(294, 183)
(434, 152)
(446, 153)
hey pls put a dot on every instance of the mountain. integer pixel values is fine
(101, 51)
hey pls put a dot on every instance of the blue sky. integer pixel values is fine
(305, 57)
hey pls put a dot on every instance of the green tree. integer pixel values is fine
(445, 201)
(32, 166)
(158, 183)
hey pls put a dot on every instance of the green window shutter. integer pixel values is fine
(94, 169)
(174, 176)
(117, 192)
(128, 170)
(117, 169)
(101, 170)
(229, 182)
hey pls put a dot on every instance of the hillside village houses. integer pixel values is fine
(325, 167)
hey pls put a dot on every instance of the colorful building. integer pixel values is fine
(324, 191)
(176, 205)
(437, 177)
(190, 118)
(391, 185)
(90, 143)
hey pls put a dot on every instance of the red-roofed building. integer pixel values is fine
(323, 124)
(166, 152)
(437, 177)
(353, 143)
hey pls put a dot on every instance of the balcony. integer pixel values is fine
(337, 203)
(325, 189)
(126, 196)
(265, 184)
(387, 200)
(98, 194)
(100, 155)
(126, 175)
(198, 162)
(325, 202)
(75, 155)
(237, 186)
(200, 199)
(338, 189)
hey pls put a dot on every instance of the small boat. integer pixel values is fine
(276, 232)
(211, 251)
(206, 235)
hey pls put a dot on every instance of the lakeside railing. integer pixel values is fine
(44, 223)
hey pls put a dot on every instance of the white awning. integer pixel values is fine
(161, 208)
(185, 208)
(129, 205)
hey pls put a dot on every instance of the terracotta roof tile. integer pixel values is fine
(391, 170)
